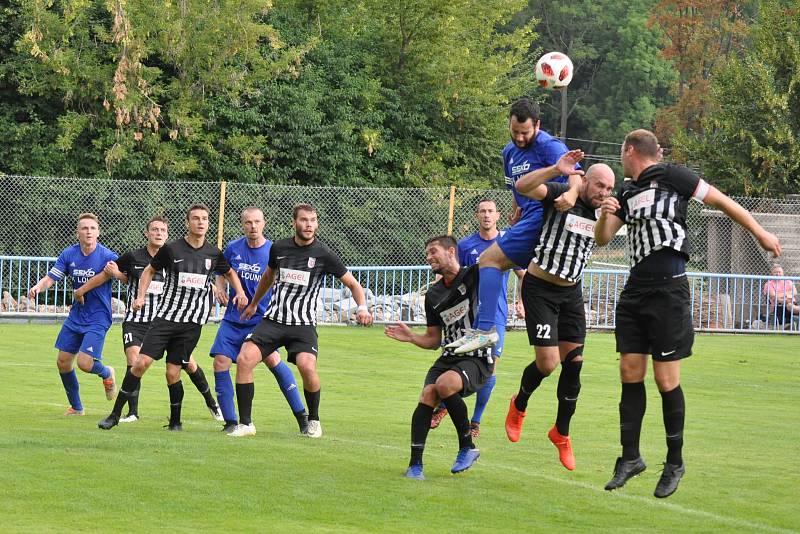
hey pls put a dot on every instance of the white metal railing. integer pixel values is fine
(720, 302)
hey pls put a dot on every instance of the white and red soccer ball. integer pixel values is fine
(554, 70)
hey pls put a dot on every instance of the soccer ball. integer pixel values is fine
(554, 69)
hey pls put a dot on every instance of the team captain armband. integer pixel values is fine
(701, 190)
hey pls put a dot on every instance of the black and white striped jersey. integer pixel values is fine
(454, 307)
(299, 273)
(132, 264)
(654, 208)
(567, 238)
(187, 295)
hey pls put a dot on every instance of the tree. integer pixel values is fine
(701, 37)
(750, 140)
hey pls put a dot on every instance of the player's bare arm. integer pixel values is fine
(363, 316)
(607, 224)
(516, 213)
(144, 282)
(113, 269)
(240, 299)
(42, 285)
(567, 200)
(220, 291)
(96, 281)
(263, 286)
(564, 166)
(400, 331)
(719, 200)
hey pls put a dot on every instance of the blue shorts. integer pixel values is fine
(230, 337)
(74, 338)
(497, 349)
(520, 240)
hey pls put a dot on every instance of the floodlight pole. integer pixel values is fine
(564, 114)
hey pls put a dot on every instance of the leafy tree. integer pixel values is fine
(701, 36)
(751, 135)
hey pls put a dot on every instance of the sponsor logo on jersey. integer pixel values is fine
(72, 264)
(474, 251)
(456, 313)
(155, 288)
(520, 169)
(192, 280)
(208, 263)
(88, 273)
(238, 257)
(462, 289)
(249, 267)
(292, 276)
(642, 200)
(312, 262)
(580, 225)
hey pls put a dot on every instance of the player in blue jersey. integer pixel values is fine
(248, 256)
(469, 249)
(531, 158)
(84, 332)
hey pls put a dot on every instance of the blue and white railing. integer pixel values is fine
(720, 302)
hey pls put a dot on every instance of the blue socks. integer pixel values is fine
(99, 369)
(70, 381)
(482, 398)
(224, 387)
(288, 386)
(490, 287)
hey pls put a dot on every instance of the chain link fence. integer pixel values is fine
(366, 226)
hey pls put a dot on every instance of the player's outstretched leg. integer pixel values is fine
(467, 452)
(674, 407)
(531, 379)
(631, 412)
(133, 402)
(420, 426)
(307, 364)
(286, 382)
(198, 378)
(223, 385)
(70, 381)
(129, 388)
(481, 401)
(569, 386)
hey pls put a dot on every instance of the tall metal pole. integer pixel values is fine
(564, 113)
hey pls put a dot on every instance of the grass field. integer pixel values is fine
(63, 474)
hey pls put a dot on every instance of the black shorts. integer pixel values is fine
(269, 336)
(553, 313)
(133, 334)
(474, 371)
(177, 339)
(655, 317)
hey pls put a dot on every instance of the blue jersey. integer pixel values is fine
(96, 309)
(469, 248)
(544, 151)
(250, 265)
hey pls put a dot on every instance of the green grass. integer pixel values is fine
(63, 474)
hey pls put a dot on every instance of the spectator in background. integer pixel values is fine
(781, 299)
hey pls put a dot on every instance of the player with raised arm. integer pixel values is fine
(83, 334)
(653, 314)
(297, 266)
(469, 249)
(554, 313)
(183, 309)
(449, 311)
(248, 256)
(531, 158)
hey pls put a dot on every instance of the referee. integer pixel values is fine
(554, 313)
(183, 309)
(654, 315)
(299, 264)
